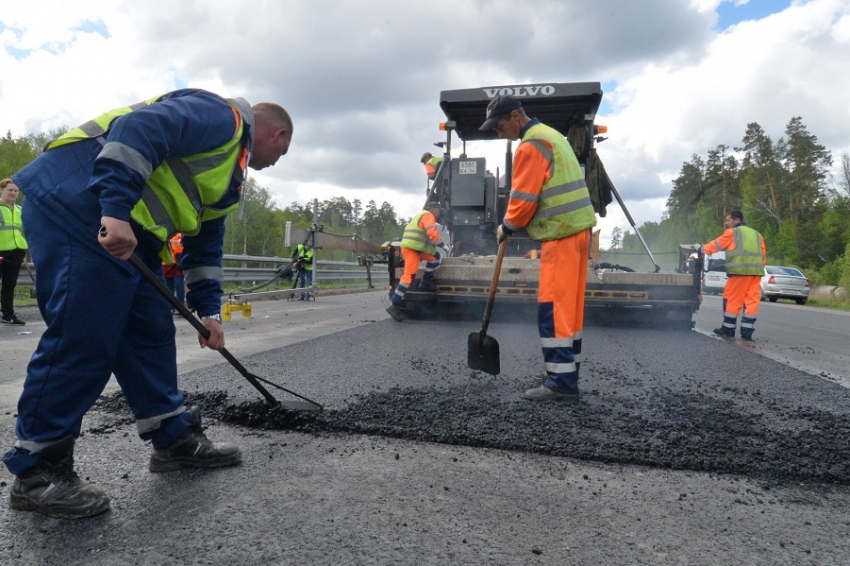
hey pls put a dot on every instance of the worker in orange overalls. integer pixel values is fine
(745, 260)
(421, 242)
(173, 273)
(431, 164)
(549, 198)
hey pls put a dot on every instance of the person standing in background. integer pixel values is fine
(746, 256)
(173, 273)
(13, 250)
(303, 256)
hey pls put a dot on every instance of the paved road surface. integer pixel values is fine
(415, 477)
(811, 339)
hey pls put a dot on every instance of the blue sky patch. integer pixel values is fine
(730, 13)
(89, 26)
(608, 88)
(18, 54)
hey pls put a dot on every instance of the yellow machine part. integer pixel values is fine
(227, 309)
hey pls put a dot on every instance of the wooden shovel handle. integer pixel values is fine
(493, 285)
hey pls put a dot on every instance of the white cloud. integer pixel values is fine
(362, 79)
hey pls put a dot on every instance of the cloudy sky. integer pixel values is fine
(362, 78)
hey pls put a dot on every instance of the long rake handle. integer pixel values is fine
(488, 310)
(202, 330)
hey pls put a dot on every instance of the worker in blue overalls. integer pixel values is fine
(123, 184)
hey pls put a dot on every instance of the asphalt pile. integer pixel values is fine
(665, 429)
(718, 409)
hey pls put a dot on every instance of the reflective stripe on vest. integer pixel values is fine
(11, 229)
(203, 179)
(564, 206)
(745, 258)
(416, 238)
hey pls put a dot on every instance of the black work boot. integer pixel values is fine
(723, 334)
(193, 449)
(53, 488)
(395, 312)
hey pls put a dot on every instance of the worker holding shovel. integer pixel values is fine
(116, 189)
(549, 198)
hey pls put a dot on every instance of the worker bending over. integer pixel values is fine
(421, 242)
(431, 164)
(119, 185)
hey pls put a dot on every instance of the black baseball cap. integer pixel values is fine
(500, 105)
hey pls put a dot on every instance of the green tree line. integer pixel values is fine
(783, 187)
(260, 229)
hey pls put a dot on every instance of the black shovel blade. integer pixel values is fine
(243, 403)
(294, 405)
(483, 354)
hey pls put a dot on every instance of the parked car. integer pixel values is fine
(781, 282)
(714, 273)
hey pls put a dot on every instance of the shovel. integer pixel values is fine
(304, 405)
(483, 352)
(32, 276)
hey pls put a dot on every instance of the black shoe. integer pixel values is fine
(722, 333)
(193, 449)
(395, 312)
(13, 320)
(747, 338)
(428, 284)
(54, 489)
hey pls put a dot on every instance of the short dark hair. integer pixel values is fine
(737, 215)
(273, 114)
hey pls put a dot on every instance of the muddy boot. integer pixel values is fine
(53, 488)
(395, 312)
(193, 449)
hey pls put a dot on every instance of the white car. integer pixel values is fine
(784, 283)
(714, 273)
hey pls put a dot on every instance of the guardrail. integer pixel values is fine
(323, 271)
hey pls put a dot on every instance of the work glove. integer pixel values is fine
(502, 233)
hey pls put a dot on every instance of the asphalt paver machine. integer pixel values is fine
(475, 199)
